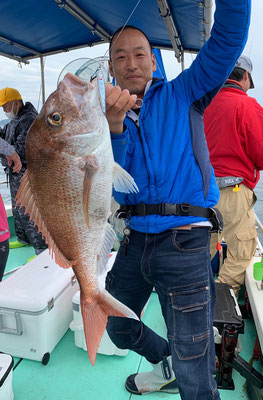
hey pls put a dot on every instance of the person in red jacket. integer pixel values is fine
(233, 125)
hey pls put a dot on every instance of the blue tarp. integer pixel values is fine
(43, 27)
(160, 71)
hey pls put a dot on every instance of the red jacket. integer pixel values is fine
(233, 125)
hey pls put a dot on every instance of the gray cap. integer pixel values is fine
(245, 63)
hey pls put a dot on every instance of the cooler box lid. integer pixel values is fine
(34, 284)
(6, 365)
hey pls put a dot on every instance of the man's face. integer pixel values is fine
(132, 62)
(246, 82)
(7, 107)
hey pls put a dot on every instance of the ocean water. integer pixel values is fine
(4, 190)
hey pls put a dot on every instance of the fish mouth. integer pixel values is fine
(78, 88)
(81, 99)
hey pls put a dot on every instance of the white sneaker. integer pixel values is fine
(160, 379)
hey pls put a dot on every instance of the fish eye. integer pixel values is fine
(55, 118)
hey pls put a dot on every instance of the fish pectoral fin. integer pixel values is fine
(95, 312)
(123, 181)
(90, 167)
(60, 259)
(25, 198)
(103, 257)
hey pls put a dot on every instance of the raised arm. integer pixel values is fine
(218, 56)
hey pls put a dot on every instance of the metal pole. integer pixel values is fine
(42, 79)
(171, 28)
(182, 61)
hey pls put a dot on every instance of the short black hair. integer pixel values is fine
(124, 28)
(237, 74)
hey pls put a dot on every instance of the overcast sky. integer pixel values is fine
(27, 79)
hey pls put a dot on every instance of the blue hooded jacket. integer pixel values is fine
(168, 156)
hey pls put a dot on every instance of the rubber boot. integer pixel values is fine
(16, 244)
(160, 379)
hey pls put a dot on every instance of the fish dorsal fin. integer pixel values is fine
(90, 166)
(123, 181)
(106, 249)
(25, 198)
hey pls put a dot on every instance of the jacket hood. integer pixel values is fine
(28, 107)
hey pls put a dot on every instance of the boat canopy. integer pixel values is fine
(36, 28)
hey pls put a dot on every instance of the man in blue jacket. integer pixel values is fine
(166, 243)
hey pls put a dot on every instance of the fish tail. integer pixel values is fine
(95, 312)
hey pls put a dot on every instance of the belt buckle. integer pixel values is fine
(169, 209)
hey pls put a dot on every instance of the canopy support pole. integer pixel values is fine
(182, 62)
(83, 17)
(42, 79)
(18, 45)
(208, 17)
(171, 28)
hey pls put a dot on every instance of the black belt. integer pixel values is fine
(183, 210)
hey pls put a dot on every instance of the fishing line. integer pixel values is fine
(125, 24)
(139, 102)
(104, 57)
(98, 73)
(251, 44)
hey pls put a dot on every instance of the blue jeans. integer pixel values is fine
(177, 264)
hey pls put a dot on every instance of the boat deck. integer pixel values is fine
(69, 374)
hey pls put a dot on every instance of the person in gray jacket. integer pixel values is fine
(14, 132)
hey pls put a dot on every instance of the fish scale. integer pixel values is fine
(67, 191)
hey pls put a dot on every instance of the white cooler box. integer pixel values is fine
(6, 374)
(106, 345)
(36, 308)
